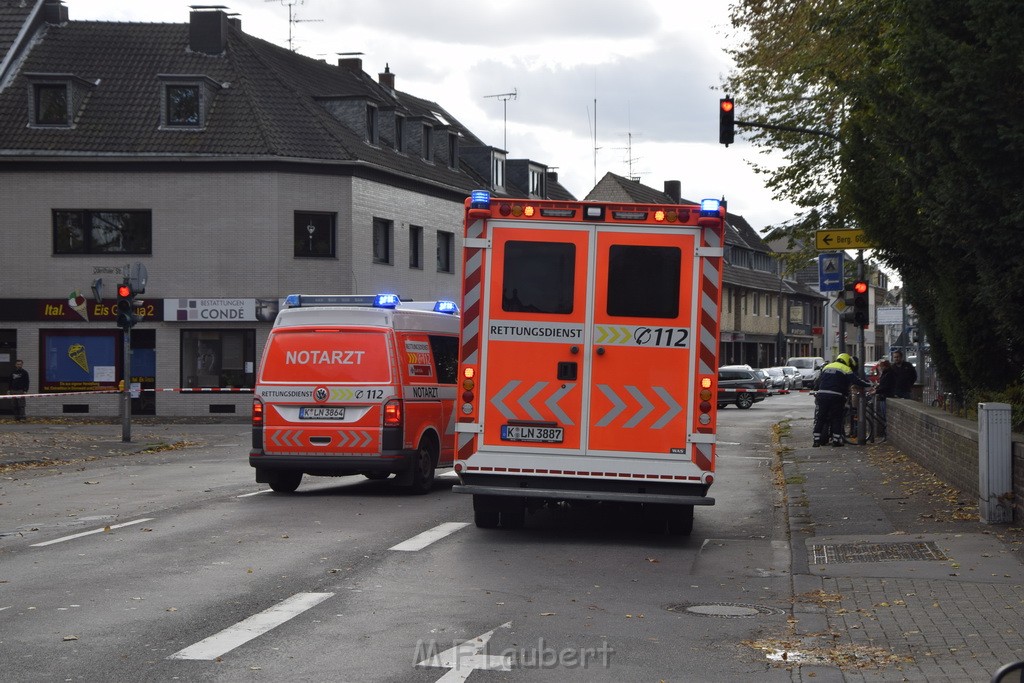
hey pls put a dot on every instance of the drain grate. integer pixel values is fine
(876, 552)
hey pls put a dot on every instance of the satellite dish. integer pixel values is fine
(138, 278)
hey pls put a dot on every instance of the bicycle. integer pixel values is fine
(874, 419)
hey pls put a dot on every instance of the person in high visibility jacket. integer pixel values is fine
(833, 387)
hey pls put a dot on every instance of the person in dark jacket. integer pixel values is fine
(19, 384)
(904, 376)
(832, 389)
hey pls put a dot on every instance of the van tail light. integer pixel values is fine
(393, 413)
(257, 413)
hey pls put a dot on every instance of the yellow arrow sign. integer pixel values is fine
(833, 240)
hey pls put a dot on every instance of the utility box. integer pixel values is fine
(995, 460)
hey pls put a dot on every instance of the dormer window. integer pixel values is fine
(371, 125)
(453, 150)
(428, 142)
(186, 101)
(54, 100)
(498, 171)
(51, 104)
(399, 133)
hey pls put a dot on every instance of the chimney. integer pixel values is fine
(207, 31)
(387, 79)
(351, 63)
(674, 189)
(55, 12)
(235, 21)
(552, 176)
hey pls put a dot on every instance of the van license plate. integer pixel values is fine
(321, 413)
(531, 433)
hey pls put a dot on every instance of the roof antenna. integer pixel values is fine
(505, 97)
(292, 20)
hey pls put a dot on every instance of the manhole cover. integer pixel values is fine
(876, 552)
(727, 610)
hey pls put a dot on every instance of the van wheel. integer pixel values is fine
(423, 466)
(485, 512)
(284, 482)
(376, 476)
(744, 401)
(679, 521)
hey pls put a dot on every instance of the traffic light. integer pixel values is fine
(126, 317)
(726, 121)
(860, 303)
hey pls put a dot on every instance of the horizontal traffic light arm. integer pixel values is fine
(788, 129)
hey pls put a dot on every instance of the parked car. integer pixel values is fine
(730, 378)
(809, 367)
(796, 380)
(777, 379)
(763, 376)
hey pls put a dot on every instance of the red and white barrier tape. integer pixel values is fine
(183, 390)
(725, 390)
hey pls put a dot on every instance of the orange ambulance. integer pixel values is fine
(589, 357)
(356, 385)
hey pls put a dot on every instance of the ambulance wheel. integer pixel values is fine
(485, 512)
(744, 401)
(423, 466)
(285, 482)
(679, 520)
(513, 518)
(376, 476)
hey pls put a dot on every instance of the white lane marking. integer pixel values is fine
(90, 533)
(464, 659)
(421, 541)
(254, 493)
(252, 627)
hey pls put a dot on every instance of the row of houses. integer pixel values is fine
(238, 172)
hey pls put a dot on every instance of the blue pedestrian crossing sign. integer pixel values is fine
(830, 272)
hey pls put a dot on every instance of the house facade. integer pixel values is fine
(231, 171)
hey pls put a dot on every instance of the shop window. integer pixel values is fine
(218, 359)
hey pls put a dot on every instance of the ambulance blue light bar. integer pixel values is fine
(710, 207)
(306, 300)
(480, 199)
(386, 301)
(446, 307)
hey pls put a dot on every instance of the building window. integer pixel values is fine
(314, 233)
(51, 104)
(182, 105)
(416, 247)
(499, 172)
(218, 358)
(399, 133)
(453, 150)
(445, 251)
(382, 236)
(757, 303)
(536, 183)
(371, 124)
(102, 232)
(428, 142)
(768, 298)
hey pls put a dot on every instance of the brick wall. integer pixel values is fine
(948, 447)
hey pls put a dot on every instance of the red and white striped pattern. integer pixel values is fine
(710, 301)
(471, 307)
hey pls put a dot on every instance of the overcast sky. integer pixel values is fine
(648, 69)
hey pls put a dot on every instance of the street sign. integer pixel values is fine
(830, 240)
(830, 272)
(840, 305)
(889, 315)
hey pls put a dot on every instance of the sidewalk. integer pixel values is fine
(39, 442)
(894, 576)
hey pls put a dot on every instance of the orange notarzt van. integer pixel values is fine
(356, 385)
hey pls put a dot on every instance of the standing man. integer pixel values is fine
(904, 376)
(833, 387)
(19, 385)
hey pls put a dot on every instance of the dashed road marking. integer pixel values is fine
(421, 541)
(220, 643)
(90, 533)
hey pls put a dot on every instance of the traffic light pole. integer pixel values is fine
(126, 394)
(861, 404)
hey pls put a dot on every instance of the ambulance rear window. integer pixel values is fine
(329, 355)
(643, 281)
(538, 277)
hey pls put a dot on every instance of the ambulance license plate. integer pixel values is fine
(321, 413)
(531, 433)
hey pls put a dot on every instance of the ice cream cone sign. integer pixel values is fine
(76, 352)
(78, 303)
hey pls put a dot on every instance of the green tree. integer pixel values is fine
(925, 96)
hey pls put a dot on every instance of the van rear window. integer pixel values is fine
(329, 355)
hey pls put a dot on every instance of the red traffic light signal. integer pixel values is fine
(860, 287)
(124, 292)
(726, 121)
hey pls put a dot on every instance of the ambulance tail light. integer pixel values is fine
(468, 385)
(705, 394)
(393, 413)
(257, 413)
